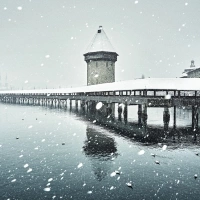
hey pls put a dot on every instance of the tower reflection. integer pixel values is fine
(101, 149)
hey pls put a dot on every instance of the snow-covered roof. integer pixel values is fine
(100, 42)
(184, 75)
(136, 84)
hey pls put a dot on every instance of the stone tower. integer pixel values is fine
(100, 58)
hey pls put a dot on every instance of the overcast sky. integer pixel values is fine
(42, 42)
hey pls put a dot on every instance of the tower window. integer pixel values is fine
(99, 31)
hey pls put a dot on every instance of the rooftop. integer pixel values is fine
(100, 42)
(136, 84)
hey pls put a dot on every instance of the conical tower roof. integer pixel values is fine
(100, 42)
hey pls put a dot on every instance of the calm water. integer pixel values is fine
(61, 156)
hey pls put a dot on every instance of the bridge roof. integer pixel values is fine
(100, 42)
(191, 84)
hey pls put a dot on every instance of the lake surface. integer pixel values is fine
(56, 154)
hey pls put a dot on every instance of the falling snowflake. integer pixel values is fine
(164, 147)
(80, 165)
(19, 8)
(99, 105)
(29, 170)
(47, 189)
(141, 152)
(50, 179)
(26, 165)
(113, 174)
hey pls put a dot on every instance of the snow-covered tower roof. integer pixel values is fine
(100, 48)
(100, 42)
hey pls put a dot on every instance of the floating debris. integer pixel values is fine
(117, 172)
(195, 176)
(17, 138)
(89, 192)
(157, 162)
(129, 184)
(152, 154)
(63, 143)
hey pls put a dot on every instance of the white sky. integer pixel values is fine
(156, 38)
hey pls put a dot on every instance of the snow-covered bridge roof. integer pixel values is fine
(137, 84)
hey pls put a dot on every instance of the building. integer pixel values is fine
(100, 59)
(191, 72)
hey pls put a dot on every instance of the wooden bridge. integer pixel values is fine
(166, 93)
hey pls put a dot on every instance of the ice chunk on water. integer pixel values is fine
(89, 192)
(13, 180)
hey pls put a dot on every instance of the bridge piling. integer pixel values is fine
(194, 118)
(144, 115)
(166, 118)
(119, 111)
(139, 114)
(125, 113)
